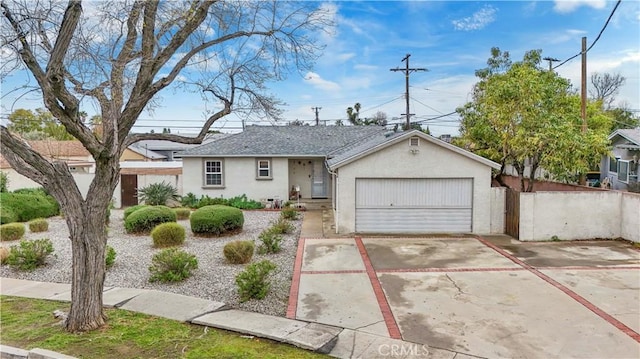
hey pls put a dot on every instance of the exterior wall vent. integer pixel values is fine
(414, 141)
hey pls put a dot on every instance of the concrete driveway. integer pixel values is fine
(490, 297)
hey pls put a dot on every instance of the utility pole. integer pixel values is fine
(583, 97)
(551, 61)
(407, 70)
(316, 109)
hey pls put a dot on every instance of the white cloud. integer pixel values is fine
(346, 56)
(558, 37)
(477, 21)
(364, 67)
(567, 6)
(318, 82)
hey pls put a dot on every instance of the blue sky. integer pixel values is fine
(450, 38)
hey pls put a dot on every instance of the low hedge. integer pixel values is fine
(128, 211)
(168, 235)
(7, 214)
(12, 231)
(28, 206)
(216, 220)
(145, 219)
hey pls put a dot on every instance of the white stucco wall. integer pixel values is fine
(174, 180)
(239, 177)
(571, 215)
(630, 216)
(497, 209)
(396, 161)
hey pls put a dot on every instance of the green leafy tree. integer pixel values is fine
(37, 125)
(522, 115)
(353, 115)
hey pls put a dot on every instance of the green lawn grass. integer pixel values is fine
(28, 323)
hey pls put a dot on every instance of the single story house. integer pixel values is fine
(621, 168)
(379, 181)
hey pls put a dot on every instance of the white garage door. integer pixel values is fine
(414, 205)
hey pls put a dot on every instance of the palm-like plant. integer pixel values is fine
(157, 194)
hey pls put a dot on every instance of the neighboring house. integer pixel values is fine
(136, 152)
(72, 152)
(379, 181)
(170, 149)
(621, 168)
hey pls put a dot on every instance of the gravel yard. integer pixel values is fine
(214, 279)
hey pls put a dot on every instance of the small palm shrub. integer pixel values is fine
(182, 213)
(11, 231)
(238, 252)
(216, 220)
(270, 241)
(252, 282)
(282, 226)
(38, 225)
(29, 255)
(157, 194)
(189, 200)
(128, 211)
(4, 254)
(109, 257)
(289, 213)
(146, 219)
(168, 235)
(172, 265)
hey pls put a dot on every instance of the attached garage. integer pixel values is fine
(410, 182)
(414, 205)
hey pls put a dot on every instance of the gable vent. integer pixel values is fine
(414, 141)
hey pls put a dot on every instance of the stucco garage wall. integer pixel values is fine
(396, 161)
(630, 216)
(570, 215)
(239, 177)
(174, 180)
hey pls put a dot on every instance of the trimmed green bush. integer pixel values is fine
(239, 252)
(270, 241)
(172, 265)
(38, 225)
(7, 215)
(109, 257)
(29, 255)
(168, 235)
(216, 220)
(282, 226)
(128, 211)
(182, 213)
(30, 206)
(252, 282)
(4, 182)
(12, 231)
(289, 213)
(158, 194)
(146, 219)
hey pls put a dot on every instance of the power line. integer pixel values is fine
(597, 37)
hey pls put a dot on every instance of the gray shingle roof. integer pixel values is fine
(632, 134)
(285, 141)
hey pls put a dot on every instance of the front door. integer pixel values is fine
(128, 190)
(319, 180)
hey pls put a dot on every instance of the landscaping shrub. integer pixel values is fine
(157, 194)
(109, 257)
(168, 235)
(4, 182)
(38, 225)
(238, 252)
(30, 206)
(128, 211)
(172, 265)
(241, 202)
(208, 201)
(4, 254)
(189, 200)
(146, 219)
(7, 215)
(252, 282)
(270, 241)
(216, 220)
(282, 226)
(289, 213)
(29, 255)
(11, 231)
(35, 191)
(182, 213)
